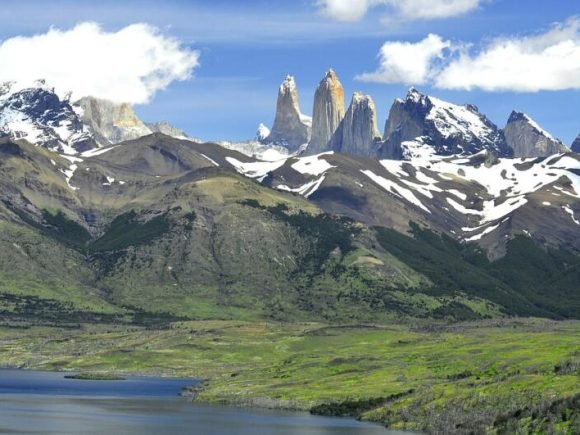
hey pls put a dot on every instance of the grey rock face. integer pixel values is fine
(528, 139)
(291, 128)
(358, 134)
(576, 144)
(111, 122)
(440, 127)
(327, 113)
(166, 128)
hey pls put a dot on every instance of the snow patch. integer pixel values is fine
(395, 189)
(209, 159)
(569, 210)
(313, 165)
(255, 169)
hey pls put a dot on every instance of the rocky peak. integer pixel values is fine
(439, 127)
(576, 144)
(262, 132)
(111, 122)
(291, 128)
(327, 113)
(358, 133)
(528, 139)
(416, 97)
(43, 118)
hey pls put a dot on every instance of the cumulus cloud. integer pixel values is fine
(354, 10)
(545, 62)
(409, 63)
(129, 65)
(549, 61)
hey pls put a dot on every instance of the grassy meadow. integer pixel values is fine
(496, 376)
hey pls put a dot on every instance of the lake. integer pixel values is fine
(33, 402)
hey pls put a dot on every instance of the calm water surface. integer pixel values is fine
(46, 403)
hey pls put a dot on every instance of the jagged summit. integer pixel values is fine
(528, 139)
(48, 118)
(291, 128)
(358, 133)
(415, 96)
(327, 113)
(262, 132)
(438, 127)
(42, 117)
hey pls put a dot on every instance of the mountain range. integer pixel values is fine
(442, 215)
(419, 125)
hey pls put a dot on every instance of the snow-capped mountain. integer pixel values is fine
(421, 124)
(262, 132)
(43, 117)
(40, 116)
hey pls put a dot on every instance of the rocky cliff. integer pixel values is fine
(111, 122)
(291, 128)
(358, 134)
(327, 113)
(528, 139)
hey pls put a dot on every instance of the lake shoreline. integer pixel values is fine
(48, 394)
(192, 391)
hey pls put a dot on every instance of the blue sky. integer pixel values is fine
(247, 47)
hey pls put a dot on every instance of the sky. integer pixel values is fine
(213, 67)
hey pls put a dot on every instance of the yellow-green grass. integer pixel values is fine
(477, 370)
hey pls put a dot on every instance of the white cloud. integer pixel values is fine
(354, 10)
(549, 61)
(546, 62)
(129, 65)
(409, 63)
(430, 9)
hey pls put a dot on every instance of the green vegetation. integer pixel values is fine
(487, 376)
(528, 281)
(126, 230)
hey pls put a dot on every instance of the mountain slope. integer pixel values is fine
(479, 198)
(168, 226)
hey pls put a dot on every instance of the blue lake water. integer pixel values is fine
(34, 402)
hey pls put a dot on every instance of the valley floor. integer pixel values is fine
(496, 376)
